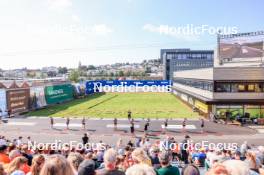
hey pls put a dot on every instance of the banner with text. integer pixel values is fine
(58, 93)
(128, 86)
(17, 100)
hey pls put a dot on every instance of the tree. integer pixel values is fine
(147, 70)
(91, 67)
(121, 73)
(74, 76)
(62, 70)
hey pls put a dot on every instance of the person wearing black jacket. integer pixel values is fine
(146, 127)
(184, 149)
(67, 122)
(83, 123)
(85, 139)
(132, 127)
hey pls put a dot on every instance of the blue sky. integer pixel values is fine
(37, 33)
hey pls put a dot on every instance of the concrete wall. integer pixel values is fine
(238, 96)
(239, 73)
(194, 91)
(206, 74)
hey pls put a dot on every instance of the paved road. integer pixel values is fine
(102, 129)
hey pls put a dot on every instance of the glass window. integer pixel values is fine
(234, 88)
(233, 112)
(251, 87)
(223, 87)
(254, 111)
(241, 88)
(262, 111)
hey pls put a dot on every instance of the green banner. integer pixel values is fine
(58, 93)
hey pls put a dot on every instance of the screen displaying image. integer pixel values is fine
(241, 48)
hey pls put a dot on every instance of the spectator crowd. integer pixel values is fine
(139, 157)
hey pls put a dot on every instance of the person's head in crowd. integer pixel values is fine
(56, 165)
(251, 160)
(14, 153)
(100, 155)
(18, 164)
(3, 154)
(2, 170)
(224, 152)
(87, 167)
(190, 170)
(130, 143)
(66, 150)
(187, 137)
(164, 158)
(37, 164)
(139, 156)
(24, 149)
(89, 156)
(3, 149)
(120, 163)
(140, 169)
(11, 147)
(119, 143)
(218, 169)
(154, 151)
(75, 159)
(261, 149)
(121, 152)
(81, 151)
(229, 153)
(110, 158)
(236, 167)
(237, 155)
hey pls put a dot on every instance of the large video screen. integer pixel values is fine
(241, 47)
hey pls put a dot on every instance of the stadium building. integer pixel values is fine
(234, 86)
(184, 59)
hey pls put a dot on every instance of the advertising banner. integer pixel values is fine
(37, 97)
(201, 106)
(17, 100)
(128, 86)
(58, 93)
(242, 47)
(79, 89)
(3, 102)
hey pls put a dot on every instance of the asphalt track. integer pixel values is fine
(102, 129)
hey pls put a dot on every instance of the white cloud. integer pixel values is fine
(177, 32)
(76, 18)
(59, 5)
(101, 29)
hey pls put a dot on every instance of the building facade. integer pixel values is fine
(184, 59)
(234, 86)
(237, 90)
